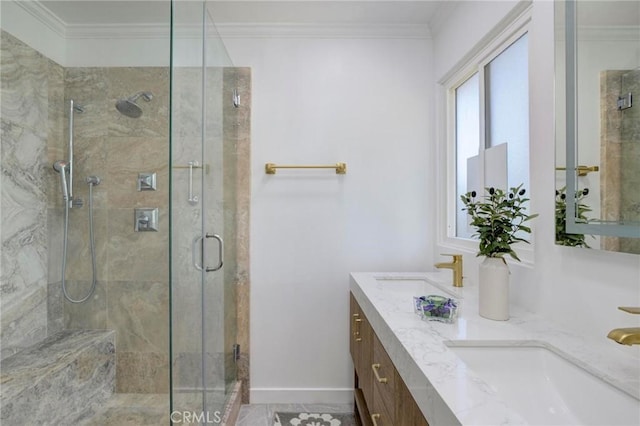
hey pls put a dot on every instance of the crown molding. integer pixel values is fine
(36, 9)
(251, 30)
(603, 33)
(227, 30)
(324, 30)
(619, 33)
(117, 31)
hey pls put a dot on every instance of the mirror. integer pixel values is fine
(598, 124)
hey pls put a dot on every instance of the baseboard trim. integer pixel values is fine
(301, 395)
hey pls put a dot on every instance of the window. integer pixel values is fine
(491, 124)
(507, 108)
(467, 99)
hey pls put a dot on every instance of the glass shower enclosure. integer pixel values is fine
(203, 214)
(156, 120)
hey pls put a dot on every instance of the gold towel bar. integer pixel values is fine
(583, 170)
(341, 168)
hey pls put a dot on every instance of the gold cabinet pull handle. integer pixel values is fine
(375, 368)
(356, 328)
(374, 419)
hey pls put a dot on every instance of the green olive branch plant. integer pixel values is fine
(562, 237)
(499, 218)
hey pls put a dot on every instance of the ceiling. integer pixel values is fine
(105, 12)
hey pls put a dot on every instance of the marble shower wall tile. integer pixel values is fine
(187, 369)
(126, 82)
(90, 159)
(187, 115)
(138, 310)
(620, 155)
(79, 265)
(56, 140)
(55, 308)
(23, 153)
(89, 315)
(129, 156)
(23, 237)
(630, 130)
(237, 130)
(186, 321)
(142, 372)
(24, 85)
(630, 122)
(137, 256)
(132, 295)
(89, 88)
(35, 95)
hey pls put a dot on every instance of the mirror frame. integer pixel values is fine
(573, 226)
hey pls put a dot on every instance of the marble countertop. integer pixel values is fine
(446, 391)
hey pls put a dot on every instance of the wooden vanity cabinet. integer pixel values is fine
(381, 397)
(360, 346)
(384, 385)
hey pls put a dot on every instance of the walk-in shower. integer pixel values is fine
(156, 336)
(66, 184)
(129, 107)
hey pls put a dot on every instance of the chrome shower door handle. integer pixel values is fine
(220, 252)
(197, 265)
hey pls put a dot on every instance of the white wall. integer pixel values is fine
(366, 102)
(578, 288)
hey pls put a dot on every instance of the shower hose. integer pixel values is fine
(91, 181)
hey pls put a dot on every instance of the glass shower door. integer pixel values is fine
(202, 219)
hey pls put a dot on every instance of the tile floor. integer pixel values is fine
(262, 414)
(152, 410)
(130, 409)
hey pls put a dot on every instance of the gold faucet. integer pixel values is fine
(455, 266)
(626, 336)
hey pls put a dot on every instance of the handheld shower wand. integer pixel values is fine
(61, 167)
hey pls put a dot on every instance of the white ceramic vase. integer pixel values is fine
(494, 289)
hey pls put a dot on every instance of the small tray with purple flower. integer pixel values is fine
(436, 308)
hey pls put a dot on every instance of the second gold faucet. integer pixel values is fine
(455, 266)
(626, 336)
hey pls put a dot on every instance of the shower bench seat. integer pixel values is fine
(60, 380)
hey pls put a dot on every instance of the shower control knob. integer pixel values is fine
(146, 181)
(146, 219)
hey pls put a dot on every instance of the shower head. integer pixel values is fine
(61, 167)
(129, 107)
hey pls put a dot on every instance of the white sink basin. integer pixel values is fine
(437, 282)
(547, 389)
